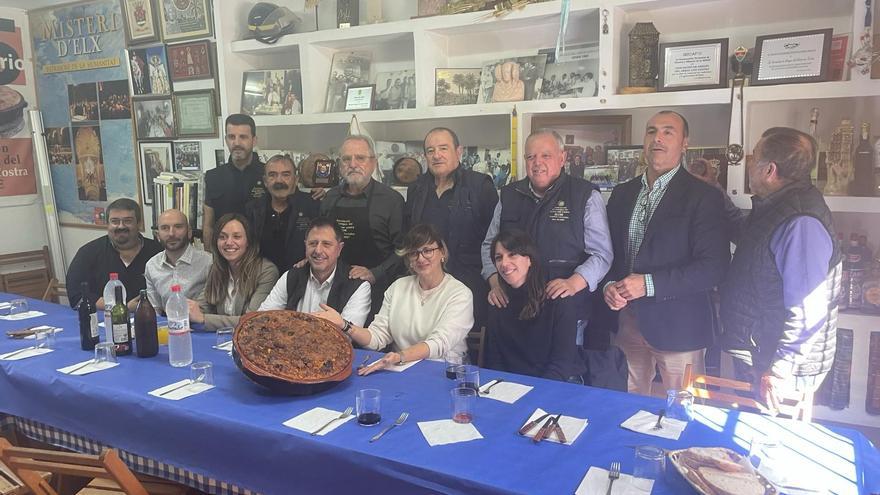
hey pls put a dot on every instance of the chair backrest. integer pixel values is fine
(55, 291)
(25, 462)
(22, 280)
(712, 388)
(9, 483)
(476, 341)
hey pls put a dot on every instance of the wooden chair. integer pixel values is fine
(711, 388)
(10, 484)
(55, 291)
(476, 341)
(108, 474)
(23, 280)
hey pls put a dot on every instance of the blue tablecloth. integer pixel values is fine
(235, 432)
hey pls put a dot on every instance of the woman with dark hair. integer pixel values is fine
(239, 280)
(426, 315)
(532, 335)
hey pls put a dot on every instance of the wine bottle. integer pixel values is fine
(863, 166)
(146, 334)
(88, 320)
(121, 332)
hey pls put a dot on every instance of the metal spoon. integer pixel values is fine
(399, 422)
(344, 415)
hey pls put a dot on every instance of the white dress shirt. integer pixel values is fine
(356, 309)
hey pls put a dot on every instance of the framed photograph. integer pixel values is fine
(586, 138)
(603, 176)
(113, 100)
(802, 56)
(155, 159)
(219, 157)
(456, 86)
(187, 156)
(272, 92)
(574, 75)
(395, 90)
(59, 145)
(154, 118)
(839, 56)
(714, 168)
(693, 65)
(185, 19)
(149, 71)
(347, 69)
(139, 18)
(196, 113)
(627, 159)
(360, 97)
(512, 79)
(190, 61)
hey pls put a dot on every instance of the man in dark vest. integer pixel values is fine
(459, 203)
(779, 301)
(322, 280)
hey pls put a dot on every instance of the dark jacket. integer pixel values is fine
(341, 289)
(303, 209)
(752, 307)
(686, 251)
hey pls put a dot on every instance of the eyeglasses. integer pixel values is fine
(427, 253)
(645, 205)
(128, 222)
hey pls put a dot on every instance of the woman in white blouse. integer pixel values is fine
(239, 280)
(424, 316)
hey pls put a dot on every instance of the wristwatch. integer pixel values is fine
(346, 327)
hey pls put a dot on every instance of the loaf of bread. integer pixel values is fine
(731, 483)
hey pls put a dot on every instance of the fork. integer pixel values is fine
(399, 422)
(660, 415)
(613, 474)
(344, 415)
(495, 382)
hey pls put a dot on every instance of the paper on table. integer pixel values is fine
(22, 316)
(25, 353)
(84, 369)
(40, 329)
(313, 419)
(445, 431)
(596, 481)
(5, 305)
(226, 346)
(644, 422)
(505, 391)
(182, 392)
(394, 367)
(572, 427)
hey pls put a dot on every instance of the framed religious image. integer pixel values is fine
(272, 92)
(456, 86)
(348, 68)
(149, 71)
(140, 21)
(154, 118)
(512, 79)
(396, 90)
(708, 163)
(190, 61)
(155, 158)
(802, 56)
(91, 178)
(360, 97)
(627, 159)
(196, 113)
(586, 137)
(187, 156)
(693, 65)
(185, 19)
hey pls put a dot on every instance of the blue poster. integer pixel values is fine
(75, 48)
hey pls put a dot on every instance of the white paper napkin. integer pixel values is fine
(394, 367)
(571, 427)
(40, 329)
(226, 346)
(5, 305)
(22, 316)
(84, 369)
(25, 353)
(505, 391)
(596, 481)
(313, 419)
(444, 431)
(185, 390)
(644, 422)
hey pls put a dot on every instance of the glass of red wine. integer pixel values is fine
(468, 376)
(454, 359)
(368, 412)
(464, 401)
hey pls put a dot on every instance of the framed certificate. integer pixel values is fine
(196, 113)
(140, 21)
(792, 57)
(360, 97)
(693, 65)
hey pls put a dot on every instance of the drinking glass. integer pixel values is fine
(679, 404)
(18, 306)
(464, 401)
(162, 332)
(368, 411)
(468, 376)
(44, 339)
(105, 352)
(453, 360)
(202, 372)
(224, 339)
(650, 463)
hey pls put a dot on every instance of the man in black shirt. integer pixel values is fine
(281, 219)
(123, 250)
(229, 187)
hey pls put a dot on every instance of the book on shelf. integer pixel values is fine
(835, 390)
(178, 190)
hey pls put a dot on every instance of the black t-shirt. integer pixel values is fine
(437, 209)
(228, 189)
(274, 239)
(96, 260)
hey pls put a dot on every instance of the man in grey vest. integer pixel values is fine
(779, 301)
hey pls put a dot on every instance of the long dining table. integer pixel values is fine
(231, 439)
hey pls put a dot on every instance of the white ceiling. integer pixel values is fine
(31, 4)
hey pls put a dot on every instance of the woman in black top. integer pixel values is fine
(532, 335)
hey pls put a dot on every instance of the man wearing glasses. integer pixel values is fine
(670, 247)
(123, 251)
(370, 215)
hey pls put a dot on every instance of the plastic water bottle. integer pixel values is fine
(180, 351)
(109, 302)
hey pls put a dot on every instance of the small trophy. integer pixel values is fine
(318, 170)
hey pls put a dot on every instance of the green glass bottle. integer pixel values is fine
(121, 325)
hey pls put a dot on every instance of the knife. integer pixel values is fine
(528, 427)
(544, 431)
(560, 435)
(16, 353)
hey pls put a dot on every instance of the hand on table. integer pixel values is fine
(388, 360)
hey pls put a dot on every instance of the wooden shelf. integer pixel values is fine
(837, 204)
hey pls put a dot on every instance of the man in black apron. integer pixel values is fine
(370, 215)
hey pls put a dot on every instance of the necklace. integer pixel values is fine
(425, 294)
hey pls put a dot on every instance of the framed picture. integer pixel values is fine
(149, 71)
(219, 157)
(196, 113)
(512, 79)
(395, 90)
(272, 92)
(603, 176)
(574, 75)
(113, 100)
(456, 86)
(360, 97)
(154, 118)
(187, 156)
(586, 137)
(185, 19)
(190, 61)
(155, 158)
(627, 159)
(802, 56)
(693, 65)
(139, 17)
(347, 69)
(714, 168)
